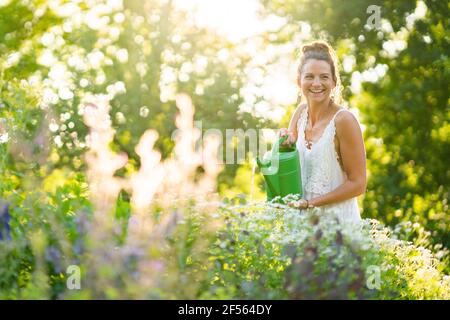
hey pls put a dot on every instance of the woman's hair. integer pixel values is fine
(320, 50)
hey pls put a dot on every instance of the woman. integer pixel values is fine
(328, 138)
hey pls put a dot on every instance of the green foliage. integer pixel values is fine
(262, 251)
(51, 63)
(274, 252)
(54, 217)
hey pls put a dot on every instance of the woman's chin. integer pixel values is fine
(319, 98)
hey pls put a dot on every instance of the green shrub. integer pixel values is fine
(270, 251)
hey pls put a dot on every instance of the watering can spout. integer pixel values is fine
(261, 163)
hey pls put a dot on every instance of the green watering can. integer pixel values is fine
(281, 170)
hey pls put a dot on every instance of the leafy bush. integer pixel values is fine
(130, 237)
(275, 252)
(260, 251)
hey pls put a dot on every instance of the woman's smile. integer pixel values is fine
(316, 93)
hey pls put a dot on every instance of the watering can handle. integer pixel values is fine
(275, 147)
(277, 144)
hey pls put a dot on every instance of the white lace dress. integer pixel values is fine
(321, 172)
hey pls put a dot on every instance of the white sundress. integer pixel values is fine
(321, 172)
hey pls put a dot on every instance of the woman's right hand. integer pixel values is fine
(291, 138)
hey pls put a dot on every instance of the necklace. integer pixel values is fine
(309, 143)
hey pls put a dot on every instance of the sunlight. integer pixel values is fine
(235, 19)
(238, 21)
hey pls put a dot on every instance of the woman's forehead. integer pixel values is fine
(316, 66)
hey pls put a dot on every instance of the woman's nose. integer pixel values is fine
(316, 81)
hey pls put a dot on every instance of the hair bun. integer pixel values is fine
(318, 46)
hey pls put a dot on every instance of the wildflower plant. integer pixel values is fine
(162, 223)
(161, 232)
(136, 237)
(272, 251)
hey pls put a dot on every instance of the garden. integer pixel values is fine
(113, 185)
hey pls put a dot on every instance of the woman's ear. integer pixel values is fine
(299, 82)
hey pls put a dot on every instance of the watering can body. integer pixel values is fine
(281, 170)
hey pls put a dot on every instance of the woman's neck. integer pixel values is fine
(317, 111)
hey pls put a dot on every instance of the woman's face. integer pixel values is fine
(316, 80)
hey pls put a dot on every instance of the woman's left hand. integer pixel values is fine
(300, 204)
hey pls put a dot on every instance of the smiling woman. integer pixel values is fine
(328, 138)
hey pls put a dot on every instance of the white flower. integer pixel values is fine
(4, 137)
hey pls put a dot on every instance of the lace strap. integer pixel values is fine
(334, 117)
(333, 124)
(301, 122)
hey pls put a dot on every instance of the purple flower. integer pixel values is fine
(53, 256)
(5, 217)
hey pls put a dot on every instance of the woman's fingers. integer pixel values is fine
(300, 204)
(294, 204)
(290, 139)
(283, 132)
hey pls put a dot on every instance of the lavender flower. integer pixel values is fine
(5, 217)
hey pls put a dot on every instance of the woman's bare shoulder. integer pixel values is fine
(298, 111)
(296, 116)
(301, 107)
(346, 121)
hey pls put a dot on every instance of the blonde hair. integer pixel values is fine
(320, 50)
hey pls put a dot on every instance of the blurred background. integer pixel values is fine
(237, 61)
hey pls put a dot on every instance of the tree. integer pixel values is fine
(140, 54)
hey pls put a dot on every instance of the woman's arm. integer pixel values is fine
(353, 155)
(292, 129)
